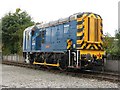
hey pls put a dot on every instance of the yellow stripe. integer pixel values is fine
(91, 42)
(88, 46)
(47, 64)
(98, 17)
(84, 15)
(68, 46)
(79, 26)
(83, 45)
(79, 33)
(91, 52)
(95, 46)
(80, 19)
(99, 29)
(86, 29)
(99, 46)
(79, 41)
(92, 15)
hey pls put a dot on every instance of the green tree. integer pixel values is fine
(110, 44)
(118, 40)
(13, 25)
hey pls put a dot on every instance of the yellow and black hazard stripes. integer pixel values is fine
(90, 46)
(87, 45)
(79, 43)
(101, 31)
(80, 29)
(89, 31)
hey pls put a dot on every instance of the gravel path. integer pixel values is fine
(18, 77)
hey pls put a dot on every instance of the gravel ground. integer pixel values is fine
(18, 77)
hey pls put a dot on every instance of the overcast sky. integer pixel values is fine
(48, 10)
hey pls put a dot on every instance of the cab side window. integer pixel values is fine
(66, 28)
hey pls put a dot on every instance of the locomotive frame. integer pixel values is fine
(82, 47)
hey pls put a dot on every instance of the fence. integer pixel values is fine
(113, 57)
(111, 65)
(14, 58)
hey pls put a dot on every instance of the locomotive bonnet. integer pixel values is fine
(72, 42)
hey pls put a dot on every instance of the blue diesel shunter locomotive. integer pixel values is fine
(73, 42)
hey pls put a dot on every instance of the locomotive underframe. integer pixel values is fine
(63, 60)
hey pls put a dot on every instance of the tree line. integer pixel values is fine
(12, 26)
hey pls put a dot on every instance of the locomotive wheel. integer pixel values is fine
(31, 61)
(31, 58)
(63, 65)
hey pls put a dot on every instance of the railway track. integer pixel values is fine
(107, 76)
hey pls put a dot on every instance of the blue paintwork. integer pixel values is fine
(55, 38)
